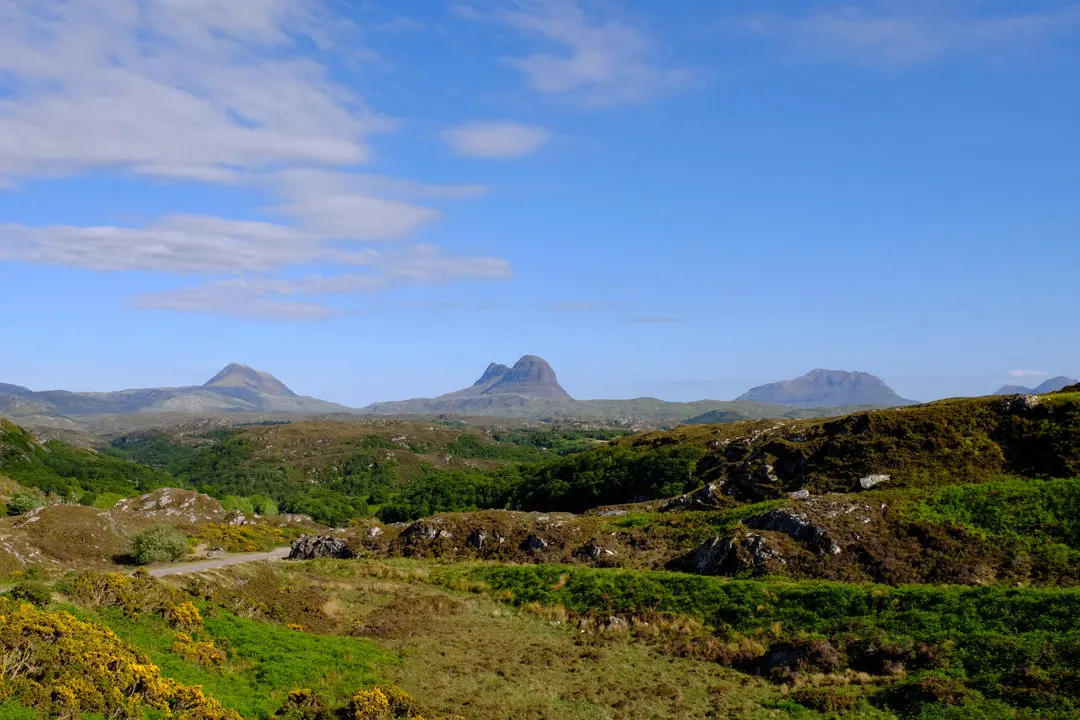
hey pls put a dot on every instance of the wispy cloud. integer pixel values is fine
(214, 92)
(1028, 373)
(593, 60)
(501, 140)
(277, 298)
(900, 34)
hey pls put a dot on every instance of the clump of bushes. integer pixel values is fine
(31, 591)
(258, 537)
(66, 667)
(23, 502)
(158, 544)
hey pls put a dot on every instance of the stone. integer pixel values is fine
(871, 481)
(798, 527)
(309, 547)
(535, 543)
(236, 518)
(374, 532)
(800, 495)
(1018, 403)
(711, 555)
(596, 553)
(707, 497)
(477, 539)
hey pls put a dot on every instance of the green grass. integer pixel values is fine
(1018, 646)
(266, 660)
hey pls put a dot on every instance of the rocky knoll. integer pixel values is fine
(827, 388)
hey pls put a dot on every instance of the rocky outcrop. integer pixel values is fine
(310, 547)
(1020, 403)
(706, 498)
(872, 481)
(798, 527)
(724, 556)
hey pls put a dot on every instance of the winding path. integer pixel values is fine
(220, 562)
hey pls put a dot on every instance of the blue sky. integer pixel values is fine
(373, 200)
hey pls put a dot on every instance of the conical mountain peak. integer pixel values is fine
(237, 375)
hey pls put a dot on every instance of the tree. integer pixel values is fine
(23, 502)
(159, 543)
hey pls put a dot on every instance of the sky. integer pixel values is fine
(374, 199)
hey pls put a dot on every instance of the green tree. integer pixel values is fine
(23, 502)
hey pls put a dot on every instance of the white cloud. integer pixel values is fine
(495, 139)
(274, 297)
(902, 34)
(181, 88)
(213, 92)
(599, 62)
(183, 244)
(1028, 373)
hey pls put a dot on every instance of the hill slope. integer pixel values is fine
(236, 375)
(827, 388)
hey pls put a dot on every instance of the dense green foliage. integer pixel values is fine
(158, 544)
(71, 472)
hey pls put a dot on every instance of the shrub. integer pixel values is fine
(32, 591)
(158, 544)
(23, 502)
(199, 652)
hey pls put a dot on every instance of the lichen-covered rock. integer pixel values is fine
(309, 547)
(872, 481)
(706, 498)
(798, 527)
(535, 543)
(1019, 403)
(723, 556)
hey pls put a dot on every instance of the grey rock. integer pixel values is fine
(798, 527)
(535, 543)
(236, 518)
(309, 547)
(596, 553)
(477, 539)
(871, 481)
(374, 532)
(707, 497)
(1019, 403)
(800, 495)
(711, 555)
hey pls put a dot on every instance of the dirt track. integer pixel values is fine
(224, 561)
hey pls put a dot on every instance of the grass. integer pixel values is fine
(266, 660)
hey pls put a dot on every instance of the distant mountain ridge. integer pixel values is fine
(237, 388)
(6, 389)
(827, 388)
(1051, 385)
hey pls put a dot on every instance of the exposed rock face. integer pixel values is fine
(309, 547)
(236, 375)
(1019, 403)
(722, 556)
(535, 543)
(494, 373)
(706, 498)
(827, 388)
(531, 376)
(798, 527)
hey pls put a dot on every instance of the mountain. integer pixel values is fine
(1051, 385)
(236, 375)
(236, 389)
(827, 388)
(6, 389)
(530, 390)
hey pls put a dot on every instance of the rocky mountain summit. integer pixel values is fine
(236, 375)
(827, 388)
(1051, 385)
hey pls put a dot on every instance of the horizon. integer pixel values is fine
(376, 200)
(1015, 381)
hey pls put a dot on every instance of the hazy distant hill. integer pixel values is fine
(530, 390)
(237, 388)
(6, 389)
(1051, 385)
(827, 388)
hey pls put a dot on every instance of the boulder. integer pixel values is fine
(871, 481)
(723, 556)
(706, 498)
(534, 543)
(597, 553)
(798, 527)
(800, 495)
(477, 539)
(1019, 403)
(309, 547)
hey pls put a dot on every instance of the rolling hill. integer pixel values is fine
(828, 388)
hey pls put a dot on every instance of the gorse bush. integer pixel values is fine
(66, 667)
(32, 591)
(158, 544)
